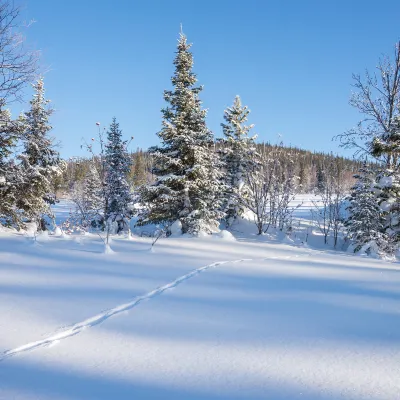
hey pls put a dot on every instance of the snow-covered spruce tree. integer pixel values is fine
(92, 190)
(117, 167)
(388, 192)
(186, 166)
(40, 162)
(365, 224)
(10, 178)
(388, 179)
(237, 156)
(88, 198)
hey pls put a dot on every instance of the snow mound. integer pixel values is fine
(202, 234)
(58, 231)
(30, 229)
(108, 250)
(225, 235)
(176, 228)
(42, 236)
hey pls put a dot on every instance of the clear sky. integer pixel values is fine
(290, 61)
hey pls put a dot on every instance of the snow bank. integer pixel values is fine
(225, 235)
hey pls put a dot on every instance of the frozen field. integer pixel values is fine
(195, 319)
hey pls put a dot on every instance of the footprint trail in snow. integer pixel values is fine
(75, 329)
(99, 318)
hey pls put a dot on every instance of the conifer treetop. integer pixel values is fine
(184, 109)
(38, 145)
(236, 117)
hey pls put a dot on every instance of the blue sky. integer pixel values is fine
(290, 61)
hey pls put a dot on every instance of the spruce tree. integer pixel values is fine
(40, 162)
(388, 184)
(88, 198)
(10, 177)
(93, 191)
(321, 177)
(185, 165)
(388, 180)
(365, 225)
(117, 167)
(304, 175)
(238, 157)
(388, 144)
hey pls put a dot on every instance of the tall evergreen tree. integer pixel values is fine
(88, 198)
(185, 165)
(92, 189)
(388, 180)
(365, 224)
(10, 178)
(238, 157)
(117, 167)
(39, 160)
(304, 175)
(321, 176)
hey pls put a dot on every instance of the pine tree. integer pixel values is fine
(117, 167)
(40, 162)
(388, 144)
(93, 191)
(321, 177)
(365, 223)
(388, 185)
(10, 178)
(388, 180)
(185, 165)
(304, 176)
(88, 198)
(237, 156)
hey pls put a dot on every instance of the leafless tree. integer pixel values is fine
(269, 187)
(328, 210)
(377, 96)
(283, 190)
(256, 195)
(18, 64)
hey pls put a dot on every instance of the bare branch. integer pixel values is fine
(18, 65)
(377, 96)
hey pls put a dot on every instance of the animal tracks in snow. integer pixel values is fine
(72, 330)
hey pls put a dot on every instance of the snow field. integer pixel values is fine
(195, 319)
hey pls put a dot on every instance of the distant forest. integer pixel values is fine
(309, 167)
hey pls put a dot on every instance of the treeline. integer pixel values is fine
(309, 167)
(77, 168)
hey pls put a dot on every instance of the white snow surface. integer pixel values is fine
(251, 318)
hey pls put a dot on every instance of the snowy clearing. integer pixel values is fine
(189, 321)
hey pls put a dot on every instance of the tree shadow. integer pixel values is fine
(26, 380)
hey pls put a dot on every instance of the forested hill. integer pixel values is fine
(310, 167)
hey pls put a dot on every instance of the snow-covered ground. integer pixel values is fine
(195, 319)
